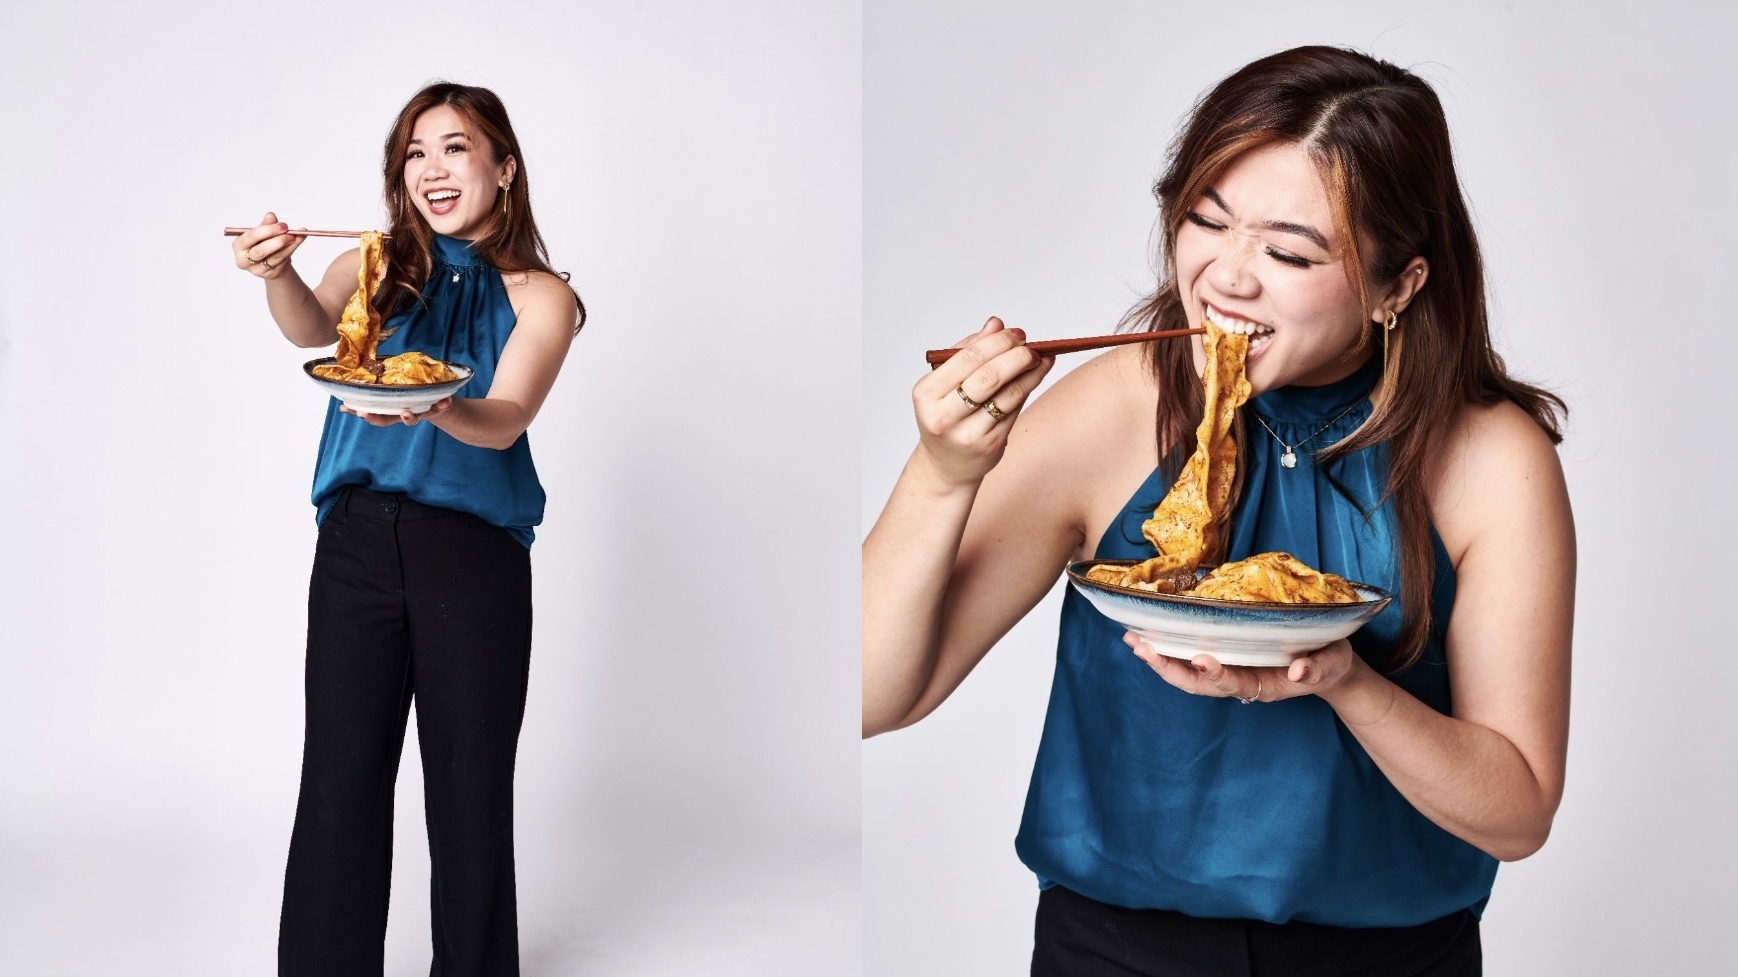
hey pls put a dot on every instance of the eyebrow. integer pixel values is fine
(451, 135)
(1286, 227)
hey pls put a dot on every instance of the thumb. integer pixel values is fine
(269, 218)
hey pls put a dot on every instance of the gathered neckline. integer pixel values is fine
(456, 252)
(1306, 404)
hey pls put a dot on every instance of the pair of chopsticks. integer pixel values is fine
(1052, 347)
(237, 231)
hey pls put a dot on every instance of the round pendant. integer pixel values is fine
(1288, 460)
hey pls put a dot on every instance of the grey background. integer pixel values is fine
(688, 773)
(1008, 153)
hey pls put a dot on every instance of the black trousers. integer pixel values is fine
(1078, 937)
(407, 602)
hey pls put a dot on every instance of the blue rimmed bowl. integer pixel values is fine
(1233, 631)
(381, 398)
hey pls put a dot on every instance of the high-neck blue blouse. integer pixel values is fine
(464, 317)
(1146, 797)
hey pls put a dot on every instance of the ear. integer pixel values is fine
(1398, 295)
(509, 169)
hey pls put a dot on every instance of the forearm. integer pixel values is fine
(1470, 780)
(483, 423)
(908, 560)
(298, 313)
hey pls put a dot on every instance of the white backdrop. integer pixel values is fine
(688, 774)
(1009, 148)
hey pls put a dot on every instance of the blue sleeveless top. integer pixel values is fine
(1146, 797)
(464, 317)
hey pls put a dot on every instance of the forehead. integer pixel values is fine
(1278, 182)
(437, 122)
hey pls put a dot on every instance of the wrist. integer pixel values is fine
(1363, 697)
(938, 480)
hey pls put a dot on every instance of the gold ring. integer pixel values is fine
(1254, 698)
(248, 254)
(994, 411)
(961, 390)
(267, 263)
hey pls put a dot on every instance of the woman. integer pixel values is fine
(1353, 820)
(422, 582)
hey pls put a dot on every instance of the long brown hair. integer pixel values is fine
(1379, 137)
(511, 242)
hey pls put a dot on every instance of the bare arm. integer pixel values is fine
(964, 549)
(1492, 772)
(308, 317)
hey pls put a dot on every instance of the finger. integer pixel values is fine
(999, 370)
(1236, 683)
(1013, 395)
(974, 351)
(292, 242)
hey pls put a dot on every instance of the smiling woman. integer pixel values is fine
(421, 587)
(1351, 822)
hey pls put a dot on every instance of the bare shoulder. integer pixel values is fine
(345, 266)
(538, 296)
(1104, 401)
(1088, 442)
(1495, 469)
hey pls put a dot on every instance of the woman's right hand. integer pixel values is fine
(966, 407)
(264, 251)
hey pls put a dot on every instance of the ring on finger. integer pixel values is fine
(961, 390)
(248, 254)
(267, 262)
(993, 410)
(1254, 698)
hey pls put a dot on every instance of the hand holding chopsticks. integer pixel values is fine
(1052, 347)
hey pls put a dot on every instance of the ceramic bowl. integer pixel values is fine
(379, 398)
(1234, 632)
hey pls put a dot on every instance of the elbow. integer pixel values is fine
(1522, 843)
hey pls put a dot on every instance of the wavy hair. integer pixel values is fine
(1378, 135)
(511, 241)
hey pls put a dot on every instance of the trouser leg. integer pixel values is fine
(358, 691)
(470, 638)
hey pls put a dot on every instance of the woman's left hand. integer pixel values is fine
(1313, 674)
(404, 417)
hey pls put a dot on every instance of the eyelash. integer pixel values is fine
(417, 153)
(1291, 260)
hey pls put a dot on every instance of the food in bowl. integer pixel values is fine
(1188, 526)
(359, 335)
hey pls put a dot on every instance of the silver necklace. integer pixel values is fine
(1289, 458)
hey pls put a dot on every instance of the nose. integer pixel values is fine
(1231, 270)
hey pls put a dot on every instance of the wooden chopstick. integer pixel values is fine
(235, 231)
(1052, 347)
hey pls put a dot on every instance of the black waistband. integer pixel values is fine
(358, 501)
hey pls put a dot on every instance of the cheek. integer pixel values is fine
(1190, 254)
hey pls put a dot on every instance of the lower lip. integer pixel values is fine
(440, 207)
(1258, 346)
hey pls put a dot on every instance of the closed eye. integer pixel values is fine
(1199, 221)
(1289, 259)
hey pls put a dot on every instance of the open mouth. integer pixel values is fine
(1259, 335)
(442, 201)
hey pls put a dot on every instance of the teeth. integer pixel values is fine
(1231, 324)
(442, 195)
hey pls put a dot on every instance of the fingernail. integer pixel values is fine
(1018, 332)
(1198, 666)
